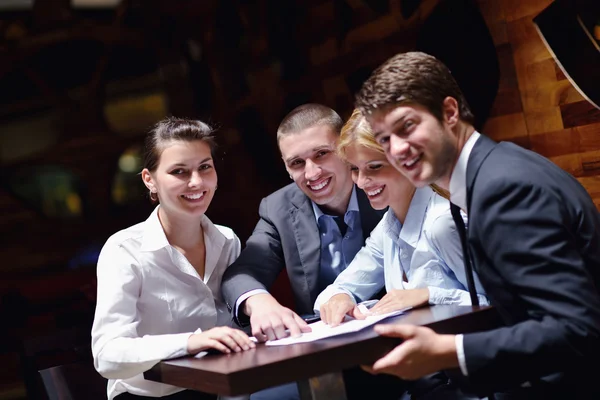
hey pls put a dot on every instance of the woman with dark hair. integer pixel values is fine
(159, 281)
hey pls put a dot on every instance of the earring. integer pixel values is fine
(153, 195)
(291, 177)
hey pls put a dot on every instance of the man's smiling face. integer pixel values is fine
(311, 161)
(416, 143)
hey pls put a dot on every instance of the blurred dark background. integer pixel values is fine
(82, 81)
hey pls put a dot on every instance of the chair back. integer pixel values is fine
(77, 381)
(59, 347)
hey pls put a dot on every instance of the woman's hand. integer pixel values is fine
(398, 299)
(221, 338)
(340, 305)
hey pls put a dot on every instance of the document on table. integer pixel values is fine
(321, 330)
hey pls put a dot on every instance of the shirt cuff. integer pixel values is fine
(243, 298)
(180, 344)
(460, 352)
(436, 296)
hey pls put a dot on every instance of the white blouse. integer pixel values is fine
(151, 299)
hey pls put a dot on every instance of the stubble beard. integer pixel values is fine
(446, 158)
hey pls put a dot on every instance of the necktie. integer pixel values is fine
(341, 224)
(462, 231)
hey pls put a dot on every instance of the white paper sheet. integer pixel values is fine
(320, 330)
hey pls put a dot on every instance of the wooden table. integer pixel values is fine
(266, 366)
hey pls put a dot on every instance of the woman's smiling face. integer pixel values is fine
(185, 178)
(372, 172)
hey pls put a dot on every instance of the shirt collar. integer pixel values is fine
(154, 234)
(391, 225)
(352, 206)
(413, 223)
(411, 231)
(458, 179)
(155, 238)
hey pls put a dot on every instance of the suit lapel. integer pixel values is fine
(481, 150)
(308, 243)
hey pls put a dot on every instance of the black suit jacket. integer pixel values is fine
(534, 235)
(286, 236)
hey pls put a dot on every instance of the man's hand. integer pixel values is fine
(269, 319)
(336, 308)
(421, 353)
(398, 299)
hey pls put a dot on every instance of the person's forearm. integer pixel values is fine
(419, 297)
(257, 300)
(124, 357)
(453, 296)
(445, 349)
(241, 301)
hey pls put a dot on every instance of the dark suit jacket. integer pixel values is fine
(286, 236)
(534, 235)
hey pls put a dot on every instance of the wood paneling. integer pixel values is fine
(550, 116)
(517, 9)
(579, 113)
(508, 99)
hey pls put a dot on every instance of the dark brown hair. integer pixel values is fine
(412, 78)
(179, 129)
(306, 116)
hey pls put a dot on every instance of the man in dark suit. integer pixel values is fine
(533, 238)
(298, 224)
(313, 227)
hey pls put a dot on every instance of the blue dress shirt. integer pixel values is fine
(337, 249)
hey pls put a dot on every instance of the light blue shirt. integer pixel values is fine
(337, 251)
(427, 249)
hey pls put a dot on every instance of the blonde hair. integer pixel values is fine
(357, 131)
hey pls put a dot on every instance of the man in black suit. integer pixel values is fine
(533, 238)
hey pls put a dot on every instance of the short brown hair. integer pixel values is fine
(306, 116)
(178, 129)
(412, 78)
(357, 131)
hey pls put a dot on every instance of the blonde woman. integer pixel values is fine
(414, 252)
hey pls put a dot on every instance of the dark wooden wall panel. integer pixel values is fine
(537, 107)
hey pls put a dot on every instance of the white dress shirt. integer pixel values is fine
(426, 249)
(458, 196)
(458, 179)
(151, 299)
